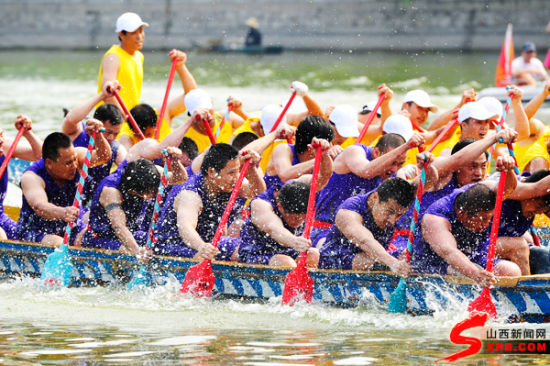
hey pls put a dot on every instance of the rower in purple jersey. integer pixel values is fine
(111, 117)
(49, 186)
(27, 150)
(453, 233)
(358, 170)
(518, 212)
(466, 165)
(292, 161)
(272, 233)
(193, 210)
(363, 227)
(118, 208)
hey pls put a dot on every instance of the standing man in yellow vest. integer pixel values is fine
(124, 62)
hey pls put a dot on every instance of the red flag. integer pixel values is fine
(503, 76)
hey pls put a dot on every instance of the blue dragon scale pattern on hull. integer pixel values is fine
(521, 299)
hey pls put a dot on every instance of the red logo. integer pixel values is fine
(475, 320)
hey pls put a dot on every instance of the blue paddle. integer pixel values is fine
(142, 278)
(58, 266)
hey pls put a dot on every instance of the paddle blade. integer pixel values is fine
(199, 280)
(483, 304)
(139, 280)
(298, 286)
(398, 299)
(58, 267)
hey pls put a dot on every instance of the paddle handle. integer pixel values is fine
(230, 203)
(224, 118)
(417, 127)
(313, 191)
(11, 150)
(370, 118)
(209, 132)
(415, 213)
(158, 201)
(131, 119)
(442, 134)
(496, 221)
(78, 196)
(166, 94)
(283, 112)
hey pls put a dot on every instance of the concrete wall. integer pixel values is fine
(339, 25)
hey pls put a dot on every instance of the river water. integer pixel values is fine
(96, 326)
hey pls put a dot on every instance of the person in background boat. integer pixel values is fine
(49, 186)
(124, 62)
(291, 161)
(272, 233)
(30, 151)
(532, 150)
(453, 234)
(111, 117)
(528, 69)
(175, 107)
(119, 207)
(192, 211)
(253, 35)
(359, 170)
(363, 227)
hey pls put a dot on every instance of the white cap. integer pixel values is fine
(400, 125)
(420, 98)
(197, 98)
(270, 113)
(493, 105)
(475, 110)
(367, 108)
(129, 22)
(344, 118)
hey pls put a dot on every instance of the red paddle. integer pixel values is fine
(200, 279)
(166, 94)
(483, 303)
(298, 283)
(417, 127)
(278, 121)
(11, 150)
(131, 119)
(209, 132)
(443, 134)
(370, 119)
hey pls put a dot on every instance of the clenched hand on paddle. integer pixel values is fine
(200, 278)
(23, 125)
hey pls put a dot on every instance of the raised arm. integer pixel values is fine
(110, 66)
(441, 120)
(356, 161)
(282, 163)
(31, 151)
(177, 105)
(102, 152)
(521, 120)
(254, 176)
(71, 124)
(534, 104)
(313, 108)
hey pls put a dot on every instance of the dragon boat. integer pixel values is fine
(523, 298)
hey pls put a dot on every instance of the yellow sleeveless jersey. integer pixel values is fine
(524, 154)
(203, 141)
(130, 75)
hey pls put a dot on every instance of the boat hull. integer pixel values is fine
(529, 92)
(517, 299)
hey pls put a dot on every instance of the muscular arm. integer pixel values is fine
(437, 232)
(188, 206)
(525, 191)
(255, 184)
(30, 151)
(282, 163)
(71, 124)
(262, 215)
(33, 188)
(534, 104)
(111, 64)
(108, 198)
(356, 161)
(100, 155)
(351, 225)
